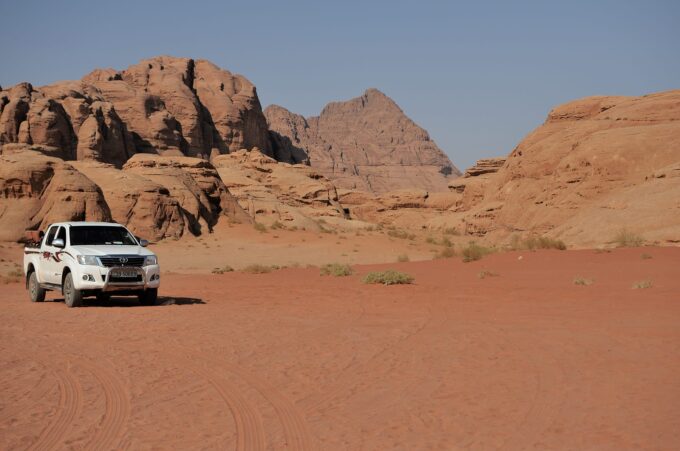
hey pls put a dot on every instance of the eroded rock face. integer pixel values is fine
(270, 191)
(163, 105)
(593, 158)
(195, 184)
(143, 206)
(36, 190)
(366, 143)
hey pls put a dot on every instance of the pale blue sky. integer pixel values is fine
(477, 75)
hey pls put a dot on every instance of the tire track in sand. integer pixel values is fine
(70, 403)
(249, 429)
(296, 431)
(116, 413)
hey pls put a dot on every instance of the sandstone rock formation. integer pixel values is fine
(366, 143)
(36, 190)
(588, 172)
(271, 191)
(165, 105)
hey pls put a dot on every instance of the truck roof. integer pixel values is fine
(87, 223)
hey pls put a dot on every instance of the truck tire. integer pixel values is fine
(35, 292)
(72, 297)
(149, 296)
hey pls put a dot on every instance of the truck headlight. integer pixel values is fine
(150, 260)
(89, 260)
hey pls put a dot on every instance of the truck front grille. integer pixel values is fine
(122, 260)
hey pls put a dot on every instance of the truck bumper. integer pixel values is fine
(96, 279)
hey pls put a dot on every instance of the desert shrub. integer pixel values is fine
(403, 258)
(401, 234)
(430, 240)
(642, 284)
(336, 269)
(474, 251)
(222, 270)
(389, 277)
(602, 250)
(258, 269)
(626, 238)
(447, 252)
(582, 281)
(645, 256)
(446, 242)
(277, 225)
(260, 227)
(16, 272)
(487, 273)
(533, 243)
(451, 231)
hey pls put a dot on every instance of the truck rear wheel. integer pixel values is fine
(35, 292)
(149, 296)
(72, 297)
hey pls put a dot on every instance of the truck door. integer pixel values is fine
(49, 259)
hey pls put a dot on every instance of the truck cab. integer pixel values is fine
(84, 259)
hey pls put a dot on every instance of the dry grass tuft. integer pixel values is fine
(474, 251)
(582, 281)
(259, 269)
(645, 256)
(642, 284)
(222, 270)
(389, 277)
(403, 258)
(259, 227)
(336, 269)
(447, 252)
(487, 273)
(626, 238)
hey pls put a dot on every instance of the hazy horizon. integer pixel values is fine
(478, 77)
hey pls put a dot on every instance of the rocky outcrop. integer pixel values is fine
(143, 206)
(36, 190)
(587, 173)
(196, 186)
(163, 105)
(271, 191)
(366, 143)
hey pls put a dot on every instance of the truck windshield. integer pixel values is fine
(93, 235)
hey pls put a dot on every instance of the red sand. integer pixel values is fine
(294, 360)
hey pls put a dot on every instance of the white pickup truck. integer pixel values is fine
(83, 259)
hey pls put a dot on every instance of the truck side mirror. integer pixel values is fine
(58, 242)
(143, 242)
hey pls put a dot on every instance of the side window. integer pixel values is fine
(62, 234)
(50, 235)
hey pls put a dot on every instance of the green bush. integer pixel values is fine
(474, 252)
(336, 269)
(389, 277)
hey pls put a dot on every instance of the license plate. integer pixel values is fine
(124, 273)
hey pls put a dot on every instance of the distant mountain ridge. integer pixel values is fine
(184, 107)
(365, 143)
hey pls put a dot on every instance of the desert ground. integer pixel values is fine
(507, 352)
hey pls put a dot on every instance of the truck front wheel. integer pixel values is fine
(72, 297)
(35, 292)
(149, 296)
